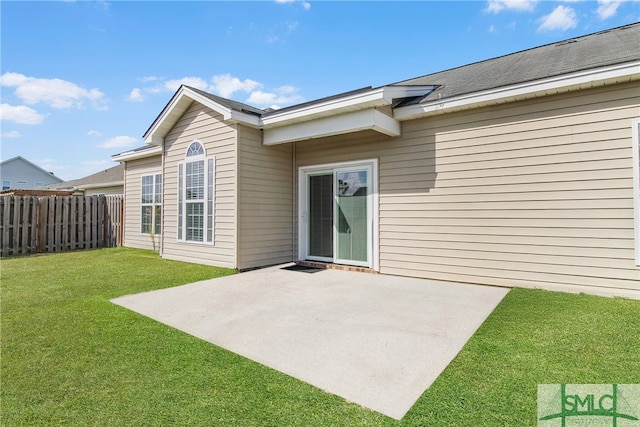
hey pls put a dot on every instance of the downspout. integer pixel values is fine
(124, 200)
(163, 210)
(294, 206)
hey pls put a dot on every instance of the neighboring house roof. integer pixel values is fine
(606, 57)
(107, 178)
(22, 159)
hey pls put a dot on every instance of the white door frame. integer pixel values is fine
(303, 201)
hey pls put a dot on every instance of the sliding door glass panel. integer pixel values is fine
(352, 215)
(321, 215)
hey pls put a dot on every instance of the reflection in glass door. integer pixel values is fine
(352, 221)
(338, 214)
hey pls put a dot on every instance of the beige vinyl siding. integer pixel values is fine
(219, 140)
(534, 193)
(265, 217)
(134, 171)
(115, 190)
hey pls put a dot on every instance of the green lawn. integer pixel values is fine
(70, 357)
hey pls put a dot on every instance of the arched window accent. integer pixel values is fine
(195, 149)
(196, 179)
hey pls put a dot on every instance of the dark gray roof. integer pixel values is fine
(107, 176)
(234, 105)
(605, 48)
(318, 101)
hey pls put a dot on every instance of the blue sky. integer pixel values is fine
(81, 81)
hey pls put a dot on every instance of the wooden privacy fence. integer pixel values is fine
(34, 224)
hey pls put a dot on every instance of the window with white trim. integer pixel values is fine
(6, 184)
(196, 181)
(151, 211)
(636, 184)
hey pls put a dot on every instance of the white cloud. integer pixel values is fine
(562, 18)
(119, 142)
(287, 89)
(285, 95)
(147, 79)
(94, 133)
(135, 95)
(282, 30)
(12, 134)
(607, 8)
(291, 26)
(20, 114)
(196, 82)
(55, 92)
(497, 6)
(156, 89)
(226, 85)
(100, 162)
(305, 4)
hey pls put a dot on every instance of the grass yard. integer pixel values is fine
(70, 357)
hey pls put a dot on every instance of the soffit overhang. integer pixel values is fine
(336, 112)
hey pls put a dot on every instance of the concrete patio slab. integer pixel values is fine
(376, 340)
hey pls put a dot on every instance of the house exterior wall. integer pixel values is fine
(219, 139)
(534, 193)
(265, 199)
(134, 171)
(114, 190)
(24, 176)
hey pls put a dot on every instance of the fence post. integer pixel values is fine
(73, 223)
(81, 209)
(6, 218)
(15, 232)
(101, 222)
(87, 222)
(34, 225)
(41, 235)
(25, 223)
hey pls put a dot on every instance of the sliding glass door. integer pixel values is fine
(338, 211)
(353, 217)
(321, 216)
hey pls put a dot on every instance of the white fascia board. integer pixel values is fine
(244, 118)
(139, 154)
(362, 100)
(370, 119)
(179, 104)
(583, 79)
(359, 101)
(156, 140)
